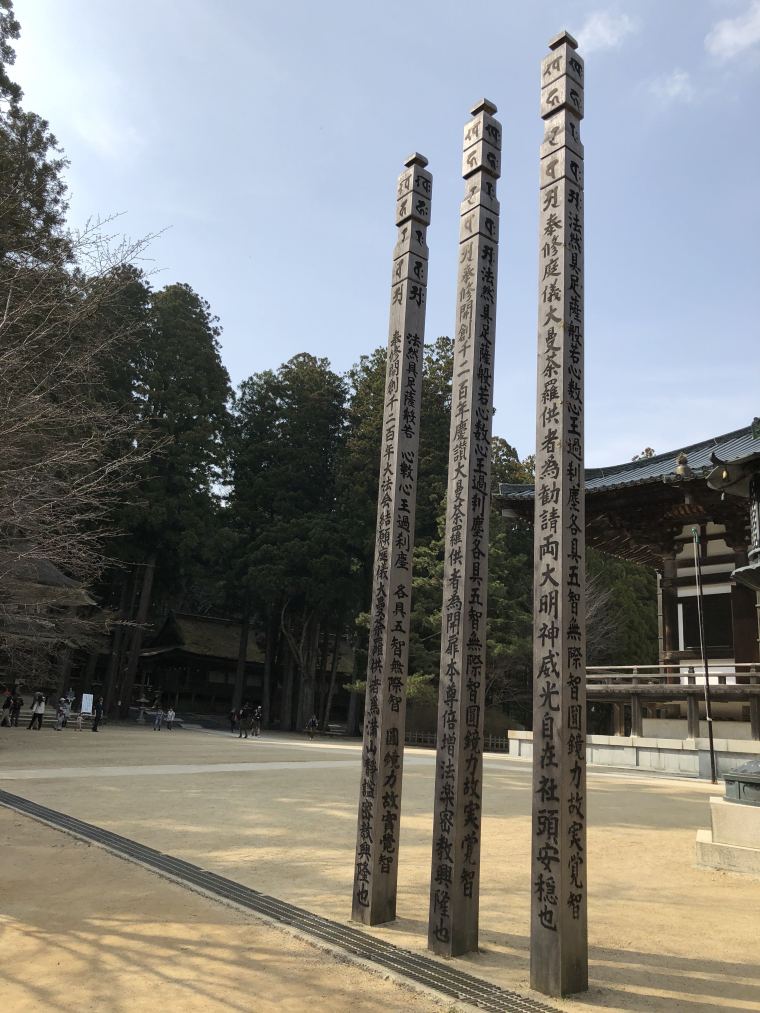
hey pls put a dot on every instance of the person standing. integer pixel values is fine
(98, 712)
(7, 705)
(16, 706)
(38, 712)
(60, 715)
(233, 721)
(170, 715)
(257, 722)
(158, 718)
(244, 720)
(312, 726)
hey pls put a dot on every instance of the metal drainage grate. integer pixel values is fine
(432, 974)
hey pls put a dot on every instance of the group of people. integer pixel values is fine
(13, 702)
(161, 715)
(244, 720)
(247, 719)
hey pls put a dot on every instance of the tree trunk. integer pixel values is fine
(117, 643)
(64, 672)
(327, 707)
(354, 713)
(238, 691)
(89, 672)
(306, 693)
(137, 637)
(321, 695)
(269, 656)
(286, 702)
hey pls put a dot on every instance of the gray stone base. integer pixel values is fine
(733, 843)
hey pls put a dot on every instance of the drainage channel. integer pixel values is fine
(433, 974)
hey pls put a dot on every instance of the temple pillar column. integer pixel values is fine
(637, 716)
(754, 717)
(669, 605)
(618, 718)
(692, 716)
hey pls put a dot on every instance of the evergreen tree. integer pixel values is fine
(284, 514)
(32, 190)
(181, 395)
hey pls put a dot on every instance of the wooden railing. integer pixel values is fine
(636, 675)
(491, 743)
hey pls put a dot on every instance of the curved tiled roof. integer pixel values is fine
(734, 446)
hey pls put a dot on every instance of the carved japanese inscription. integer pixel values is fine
(455, 877)
(559, 870)
(377, 842)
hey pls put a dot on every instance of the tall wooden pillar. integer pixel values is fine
(669, 600)
(558, 941)
(455, 874)
(377, 839)
(692, 716)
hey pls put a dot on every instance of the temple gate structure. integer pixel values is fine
(377, 840)
(643, 511)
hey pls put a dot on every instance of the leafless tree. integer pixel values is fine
(69, 452)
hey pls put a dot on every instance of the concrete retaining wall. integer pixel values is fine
(677, 728)
(690, 757)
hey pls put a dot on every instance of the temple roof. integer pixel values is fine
(202, 636)
(736, 446)
(638, 510)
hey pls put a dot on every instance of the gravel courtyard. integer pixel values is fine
(278, 814)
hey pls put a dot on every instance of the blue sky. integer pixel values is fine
(266, 137)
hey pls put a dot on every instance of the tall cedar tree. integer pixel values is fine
(181, 393)
(283, 509)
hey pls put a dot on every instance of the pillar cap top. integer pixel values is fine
(483, 106)
(564, 36)
(415, 159)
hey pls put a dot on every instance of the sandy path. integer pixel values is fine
(81, 929)
(280, 815)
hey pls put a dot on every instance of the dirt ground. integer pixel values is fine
(279, 815)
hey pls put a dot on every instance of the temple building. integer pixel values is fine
(645, 511)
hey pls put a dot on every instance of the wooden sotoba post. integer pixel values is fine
(559, 866)
(455, 877)
(377, 841)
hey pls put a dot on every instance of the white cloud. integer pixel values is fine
(605, 30)
(732, 36)
(673, 87)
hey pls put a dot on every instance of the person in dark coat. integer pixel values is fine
(7, 705)
(16, 706)
(98, 713)
(244, 721)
